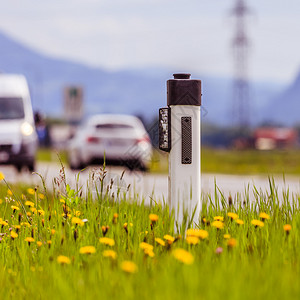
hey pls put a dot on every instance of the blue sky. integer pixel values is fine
(191, 35)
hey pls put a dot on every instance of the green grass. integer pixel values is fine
(51, 155)
(241, 162)
(251, 161)
(261, 263)
(159, 163)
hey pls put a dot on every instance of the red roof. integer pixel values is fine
(278, 134)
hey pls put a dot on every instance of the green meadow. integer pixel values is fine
(66, 244)
(239, 162)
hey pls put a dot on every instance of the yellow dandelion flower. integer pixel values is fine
(41, 212)
(25, 224)
(218, 224)
(287, 227)
(39, 243)
(264, 216)
(87, 250)
(33, 209)
(227, 236)
(66, 215)
(77, 213)
(9, 193)
(14, 208)
(28, 214)
(232, 215)
(30, 191)
(115, 218)
(192, 240)
(160, 241)
(29, 203)
(42, 196)
(232, 243)
(170, 239)
(29, 239)
(104, 229)
(63, 260)
(257, 223)
(3, 223)
(62, 201)
(129, 266)
(52, 231)
(239, 222)
(149, 252)
(183, 256)
(145, 246)
(199, 233)
(77, 221)
(110, 254)
(13, 235)
(2, 176)
(219, 218)
(49, 242)
(107, 241)
(153, 217)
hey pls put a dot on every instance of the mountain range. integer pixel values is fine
(141, 92)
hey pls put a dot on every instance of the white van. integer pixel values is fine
(18, 138)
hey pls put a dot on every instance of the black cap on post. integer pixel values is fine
(182, 76)
(183, 91)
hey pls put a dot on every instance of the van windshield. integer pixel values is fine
(11, 108)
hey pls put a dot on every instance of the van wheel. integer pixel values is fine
(19, 168)
(31, 167)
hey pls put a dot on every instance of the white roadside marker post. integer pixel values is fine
(179, 134)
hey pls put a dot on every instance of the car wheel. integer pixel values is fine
(75, 167)
(130, 164)
(136, 165)
(74, 161)
(143, 168)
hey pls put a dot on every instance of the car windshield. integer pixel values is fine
(11, 108)
(112, 126)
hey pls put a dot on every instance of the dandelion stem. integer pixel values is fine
(18, 200)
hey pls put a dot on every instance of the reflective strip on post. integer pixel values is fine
(164, 129)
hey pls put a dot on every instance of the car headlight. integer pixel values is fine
(26, 129)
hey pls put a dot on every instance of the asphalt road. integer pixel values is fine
(145, 185)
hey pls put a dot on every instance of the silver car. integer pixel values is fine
(119, 139)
